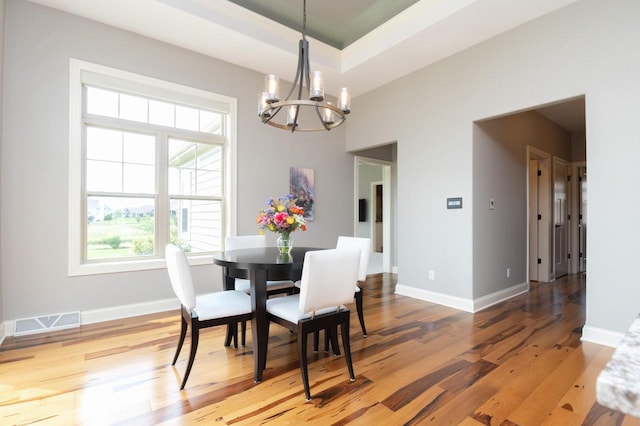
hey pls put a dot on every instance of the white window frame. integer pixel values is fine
(80, 73)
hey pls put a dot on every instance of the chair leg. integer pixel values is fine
(304, 365)
(195, 337)
(316, 339)
(359, 308)
(227, 339)
(331, 336)
(183, 333)
(235, 335)
(344, 327)
(244, 333)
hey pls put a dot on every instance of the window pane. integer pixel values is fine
(102, 102)
(133, 108)
(181, 152)
(187, 118)
(103, 144)
(139, 148)
(195, 168)
(196, 226)
(210, 122)
(104, 176)
(139, 179)
(120, 227)
(161, 113)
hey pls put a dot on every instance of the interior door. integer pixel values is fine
(540, 217)
(533, 220)
(560, 218)
(582, 178)
(379, 219)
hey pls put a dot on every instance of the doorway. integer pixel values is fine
(373, 210)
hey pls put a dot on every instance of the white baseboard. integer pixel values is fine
(467, 305)
(433, 297)
(499, 296)
(601, 336)
(111, 313)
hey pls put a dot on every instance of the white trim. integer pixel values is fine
(467, 305)
(433, 297)
(499, 296)
(601, 336)
(126, 311)
(112, 77)
(113, 313)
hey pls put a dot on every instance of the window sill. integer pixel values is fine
(96, 268)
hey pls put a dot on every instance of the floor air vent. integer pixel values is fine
(41, 324)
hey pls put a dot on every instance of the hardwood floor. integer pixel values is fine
(520, 362)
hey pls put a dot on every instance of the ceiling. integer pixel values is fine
(337, 24)
(360, 44)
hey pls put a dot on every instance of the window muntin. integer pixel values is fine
(114, 104)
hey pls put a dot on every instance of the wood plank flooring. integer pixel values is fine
(520, 362)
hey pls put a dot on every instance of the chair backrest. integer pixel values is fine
(245, 241)
(180, 276)
(329, 278)
(364, 244)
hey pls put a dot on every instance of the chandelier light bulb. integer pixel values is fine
(262, 104)
(327, 115)
(291, 116)
(344, 101)
(317, 87)
(272, 87)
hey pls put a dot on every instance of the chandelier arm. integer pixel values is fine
(299, 72)
(305, 70)
(269, 109)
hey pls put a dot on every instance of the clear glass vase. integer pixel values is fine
(284, 243)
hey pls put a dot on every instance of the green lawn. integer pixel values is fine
(127, 230)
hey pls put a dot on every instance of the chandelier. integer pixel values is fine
(329, 115)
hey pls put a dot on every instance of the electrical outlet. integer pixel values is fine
(492, 203)
(432, 275)
(508, 272)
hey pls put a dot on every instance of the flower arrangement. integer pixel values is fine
(281, 215)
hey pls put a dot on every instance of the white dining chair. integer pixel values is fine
(201, 311)
(364, 244)
(329, 278)
(256, 241)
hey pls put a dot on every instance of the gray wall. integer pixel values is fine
(2, 8)
(499, 165)
(588, 48)
(34, 204)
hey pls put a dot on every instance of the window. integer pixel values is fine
(150, 163)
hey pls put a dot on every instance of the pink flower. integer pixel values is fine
(280, 218)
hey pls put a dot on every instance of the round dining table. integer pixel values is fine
(260, 265)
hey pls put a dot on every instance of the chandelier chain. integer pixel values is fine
(304, 19)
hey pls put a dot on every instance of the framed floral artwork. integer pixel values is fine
(302, 187)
